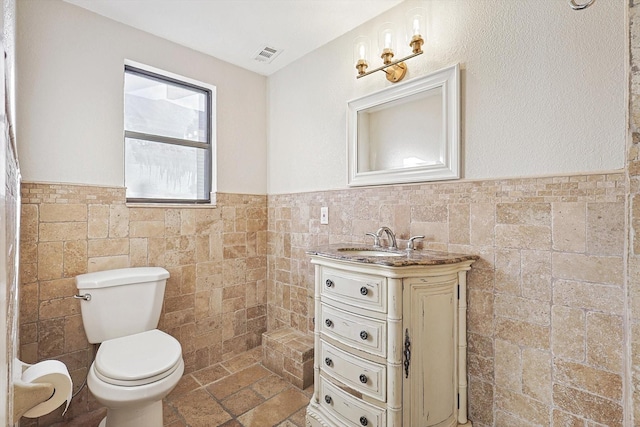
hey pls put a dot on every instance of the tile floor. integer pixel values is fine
(239, 392)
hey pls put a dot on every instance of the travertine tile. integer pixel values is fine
(275, 410)
(536, 275)
(241, 402)
(98, 221)
(107, 247)
(199, 409)
(63, 212)
(118, 221)
(537, 374)
(482, 224)
(508, 366)
(524, 213)
(459, 224)
(521, 406)
(234, 382)
(60, 231)
(75, 257)
(50, 260)
(508, 266)
(522, 333)
(597, 269)
(569, 227)
(568, 332)
(605, 228)
(590, 406)
(589, 379)
(590, 296)
(605, 341)
(525, 309)
(523, 236)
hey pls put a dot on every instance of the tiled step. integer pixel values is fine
(289, 353)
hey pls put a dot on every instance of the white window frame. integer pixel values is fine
(176, 78)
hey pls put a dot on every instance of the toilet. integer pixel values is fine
(136, 365)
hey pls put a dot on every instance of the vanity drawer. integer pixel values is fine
(362, 375)
(363, 333)
(352, 411)
(359, 290)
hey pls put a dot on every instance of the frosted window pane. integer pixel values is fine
(164, 171)
(162, 108)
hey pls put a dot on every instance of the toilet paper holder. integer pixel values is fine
(27, 395)
(41, 388)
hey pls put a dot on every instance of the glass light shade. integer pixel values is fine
(361, 49)
(416, 23)
(386, 37)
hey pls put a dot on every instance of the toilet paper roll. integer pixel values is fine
(52, 372)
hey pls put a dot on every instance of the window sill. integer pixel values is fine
(172, 205)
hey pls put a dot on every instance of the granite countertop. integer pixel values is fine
(396, 258)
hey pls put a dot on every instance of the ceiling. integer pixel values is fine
(236, 31)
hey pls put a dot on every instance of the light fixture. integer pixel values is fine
(395, 70)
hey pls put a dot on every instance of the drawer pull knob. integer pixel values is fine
(329, 283)
(327, 399)
(328, 322)
(364, 421)
(364, 290)
(328, 361)
(364, 335)
(363, 378)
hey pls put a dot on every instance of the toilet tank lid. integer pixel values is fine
(121, 276)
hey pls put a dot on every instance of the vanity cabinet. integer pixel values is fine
(390, 340)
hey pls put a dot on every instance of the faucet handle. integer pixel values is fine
(411, 242)
(376, 239)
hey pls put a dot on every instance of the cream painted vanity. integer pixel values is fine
(390, 338)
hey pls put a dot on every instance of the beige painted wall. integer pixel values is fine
(70, 82)
(543, 92)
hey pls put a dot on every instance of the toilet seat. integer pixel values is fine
(137, 359)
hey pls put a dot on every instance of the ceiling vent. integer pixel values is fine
(267, 54)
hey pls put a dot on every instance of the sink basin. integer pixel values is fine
(369, 252)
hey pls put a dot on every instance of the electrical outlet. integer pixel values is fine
(324, 215)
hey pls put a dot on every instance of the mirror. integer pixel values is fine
(407, 133)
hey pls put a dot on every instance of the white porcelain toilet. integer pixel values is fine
(136, 365)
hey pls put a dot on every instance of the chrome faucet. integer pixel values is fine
(390, 236)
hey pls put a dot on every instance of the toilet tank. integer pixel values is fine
(123, 302)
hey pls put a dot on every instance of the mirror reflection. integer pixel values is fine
(413, 139)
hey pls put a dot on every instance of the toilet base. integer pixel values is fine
(141, 416)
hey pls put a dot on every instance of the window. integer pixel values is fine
(167, 138)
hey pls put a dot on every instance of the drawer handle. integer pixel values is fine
(364, 335)
(329, 283)
(364, 290)
(363, 378)
(364, 421)
(328, 322)
(328, 399)
(328, 361)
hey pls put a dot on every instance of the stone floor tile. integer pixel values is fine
(242, 401)
(212, 373)
(241, 361)
(186, 384)
(199, 409)
(234, 382)
(299, 418)
(275, 410)
(270, 386)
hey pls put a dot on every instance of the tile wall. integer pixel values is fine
(215, 300)
(546, 299)
(633, 176)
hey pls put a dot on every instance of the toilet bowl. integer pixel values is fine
(136, 365)
(131, 375)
